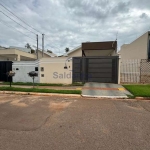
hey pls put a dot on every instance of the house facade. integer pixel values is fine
(22, 54)
(76, 52)
(138, 49)
(92, 62)
(12, 54)
(99, 62)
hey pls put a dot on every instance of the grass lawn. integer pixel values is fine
(41, 84)
(139, 90)
(40, 90)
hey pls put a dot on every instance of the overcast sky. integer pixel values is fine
(68, 23)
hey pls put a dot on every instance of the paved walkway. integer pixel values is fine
(106, 90)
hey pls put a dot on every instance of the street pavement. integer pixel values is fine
(70, 123)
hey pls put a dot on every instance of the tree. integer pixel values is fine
(67, 49)
(49, 51)
(28, 46)
(32, 51)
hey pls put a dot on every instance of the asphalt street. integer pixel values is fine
(69, 123)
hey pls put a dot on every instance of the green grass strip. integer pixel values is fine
(139, 90)
(41, 84)
(40, 90)
(30, 84)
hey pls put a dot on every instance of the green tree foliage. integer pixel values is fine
(28, 45)
(67, 49)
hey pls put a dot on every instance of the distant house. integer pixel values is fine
(15, 54)
(76, 52)
(138, 49)
(46, 54)
(27, 50)
(21, 54)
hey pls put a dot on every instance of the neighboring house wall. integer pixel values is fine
(4, 58)
(13, 54)
(20, 55)
(22, 69)
(27, 50)
(77, 53)
(40, 55)
(54, 72)
(138, 49)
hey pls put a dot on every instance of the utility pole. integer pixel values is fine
(42, 45)
(37, 47)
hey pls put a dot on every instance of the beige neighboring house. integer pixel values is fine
(76, 52)
(21, 54)
(138, 49)
(46, 54)
(15, 54)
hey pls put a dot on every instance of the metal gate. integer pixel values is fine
(95, 69)
(5, 66)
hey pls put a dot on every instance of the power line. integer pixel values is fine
(9, 26)
(19, 18)
(17, 22)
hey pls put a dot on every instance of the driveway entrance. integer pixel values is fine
(107, 90)
(95, 69)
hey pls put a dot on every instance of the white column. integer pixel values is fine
(18, 57)
(119, 64)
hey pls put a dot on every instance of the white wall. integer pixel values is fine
(24, 68)
(54, 71)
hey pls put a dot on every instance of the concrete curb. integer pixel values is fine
(142, 98)
(39, 94)
(109, 97)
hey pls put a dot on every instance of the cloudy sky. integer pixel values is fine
(68, 23)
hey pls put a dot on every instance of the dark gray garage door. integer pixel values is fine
(95, 69)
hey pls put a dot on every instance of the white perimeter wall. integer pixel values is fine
(54, 71)
(24, 67)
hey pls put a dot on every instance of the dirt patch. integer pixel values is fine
(133, 105)
(4, 101)
(18, 103)
(57, 106)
